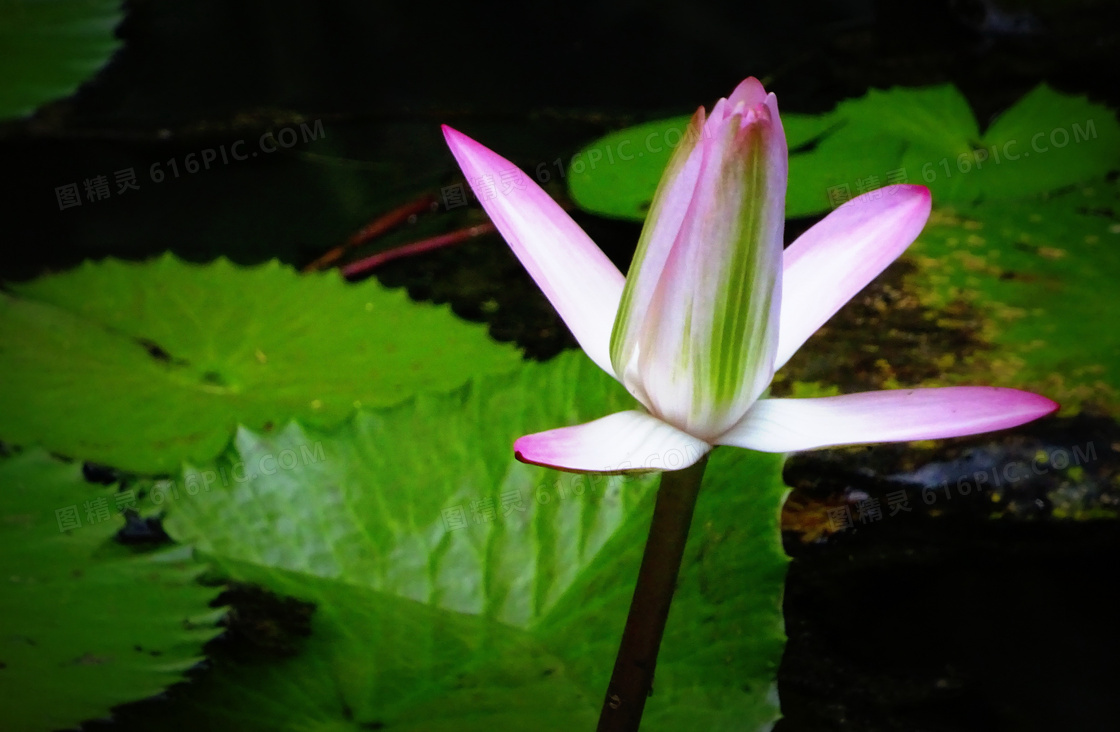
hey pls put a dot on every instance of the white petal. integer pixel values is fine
(618, 443)
(574, 274)
(708, 341)
(784, 425)
(835, 259)
(662, 226)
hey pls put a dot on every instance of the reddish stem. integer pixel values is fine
(362, 266)
(372, 230)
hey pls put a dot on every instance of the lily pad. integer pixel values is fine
(925, 135)
(459, 589)
(1045, 142)
(86, 623)
(143, 366)
(50, 48)
(1036, 269)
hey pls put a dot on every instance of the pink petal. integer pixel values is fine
(576, 277)
(784, 425)
(618, 443)
(707, 344)
(662, 226)
(835, 259)
(749, 92)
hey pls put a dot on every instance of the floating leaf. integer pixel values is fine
(1037, 269)
(882, 138)
(142, 366)
(50, 48)
(459, 589)
(85, 624)
(1047, 141)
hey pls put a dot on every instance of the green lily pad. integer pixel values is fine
(927, 135)
(50, 48)
(143, 366)
(882, 138)
(1039, 270)
(1047, 141)
(459, 589)
(86, 624)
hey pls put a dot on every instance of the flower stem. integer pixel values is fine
(632, 678)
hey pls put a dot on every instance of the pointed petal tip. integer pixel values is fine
(919, 193)
(899, 415)
(519, 456)
(749, 90)
(913, 188)
(882, 200)
(1005, 407)
(1021, 406)
(919, 189)
(457, 140)
(1044, 405)
(531, 445)
(620, 443)
(577, 278)
(458, 143)
(461, 143)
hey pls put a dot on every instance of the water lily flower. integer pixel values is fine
(712, 306)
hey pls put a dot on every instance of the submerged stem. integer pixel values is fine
(632, 678)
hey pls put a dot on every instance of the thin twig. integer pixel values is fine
(363, 266)
(632, 678)
(374, 229)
